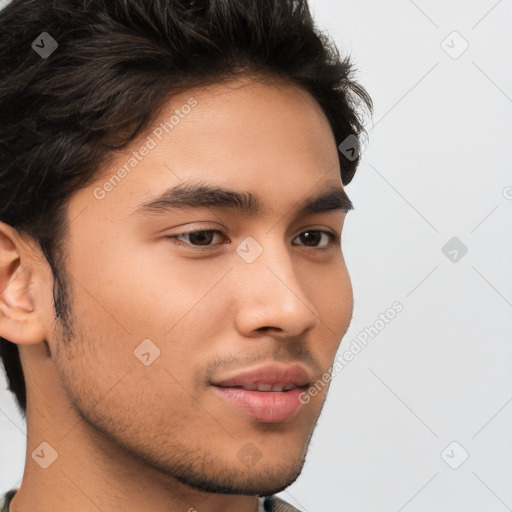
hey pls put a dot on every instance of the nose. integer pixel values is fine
(270, 296)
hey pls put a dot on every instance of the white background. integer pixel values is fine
(437, 166)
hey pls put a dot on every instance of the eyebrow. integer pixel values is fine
(203, 195)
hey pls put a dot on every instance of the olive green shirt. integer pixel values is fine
(267, 504)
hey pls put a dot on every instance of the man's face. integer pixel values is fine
(157, 320)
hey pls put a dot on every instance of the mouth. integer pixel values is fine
(266, 406)
(266, 388)
(269, 403)
(268, 393)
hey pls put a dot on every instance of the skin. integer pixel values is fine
(134, 437)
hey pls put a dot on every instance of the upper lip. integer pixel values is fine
(268, 374)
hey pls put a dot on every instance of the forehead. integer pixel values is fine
(271, 139)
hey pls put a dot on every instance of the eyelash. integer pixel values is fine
(333, 239)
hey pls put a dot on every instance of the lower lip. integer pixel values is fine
(269, 406)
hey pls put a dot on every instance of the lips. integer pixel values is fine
(266, 387)
(270, 377)
(269, 393)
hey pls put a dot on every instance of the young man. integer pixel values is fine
(172, 285)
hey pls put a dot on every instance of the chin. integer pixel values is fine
(264, 481)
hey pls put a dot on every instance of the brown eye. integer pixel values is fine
(199, 238)
(313, 237)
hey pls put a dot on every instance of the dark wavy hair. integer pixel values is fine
(116, 64)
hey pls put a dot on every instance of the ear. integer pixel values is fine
(20, 321)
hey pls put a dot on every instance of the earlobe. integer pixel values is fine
(19, 318)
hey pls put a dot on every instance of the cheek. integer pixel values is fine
(168, 312)
(333, 294)
(112, 386)
(151, 293)
(332, 297)
(339, 301)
